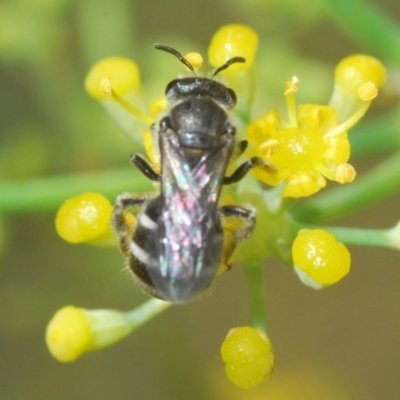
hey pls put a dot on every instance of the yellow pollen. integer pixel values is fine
(269, 147)
(291, 86)
(290, 89)
(367, 91)
(345, 173)
(105, 87)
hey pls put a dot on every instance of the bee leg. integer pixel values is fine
(243, 169)
(123, 221)
(145, 168)
(238, 225)
(241, 147)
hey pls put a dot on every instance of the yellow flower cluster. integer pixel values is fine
(312, 144)
(300, 152)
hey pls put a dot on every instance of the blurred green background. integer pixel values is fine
(338, 343)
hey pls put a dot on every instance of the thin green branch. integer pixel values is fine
(146, 311)
(47, 194)
(355, 236)
(376, 184)
(361, 237)
(254, 275)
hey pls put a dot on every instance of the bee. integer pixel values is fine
(178, 240)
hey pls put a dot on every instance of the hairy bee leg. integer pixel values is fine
(125, 204)
(145, 168)
(237, 232)
(241, 147)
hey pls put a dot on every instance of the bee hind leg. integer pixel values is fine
(123, 219)
(238, 224)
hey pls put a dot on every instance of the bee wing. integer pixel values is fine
(191, 231)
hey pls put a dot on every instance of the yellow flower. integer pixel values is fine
(311, 145)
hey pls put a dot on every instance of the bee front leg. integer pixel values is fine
(243, 169)
(145, 168)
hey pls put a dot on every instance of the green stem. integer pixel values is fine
(254, 275)
(355, 236)
(368, 26)
(361, 237)
(378, 183)
(140, 315)
(47, 194)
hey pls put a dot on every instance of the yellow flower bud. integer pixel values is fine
(68, 334)
(123, 74)
(357, 80)
(232, 41)
(357, 69)
(248, 356)
(86, 218)
(319, 259)
(74, 331)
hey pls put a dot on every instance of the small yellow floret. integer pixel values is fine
(322, 258)
(248, 356)
(357, 69)
(84, 218)
(123, 73)
(74, 331)
(232, 41)
(69, 334)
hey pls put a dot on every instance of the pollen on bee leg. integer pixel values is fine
(130, 221)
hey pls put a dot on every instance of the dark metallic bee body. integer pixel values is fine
(177, 244)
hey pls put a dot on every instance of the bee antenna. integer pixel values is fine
(231, 61)
(176, 53)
